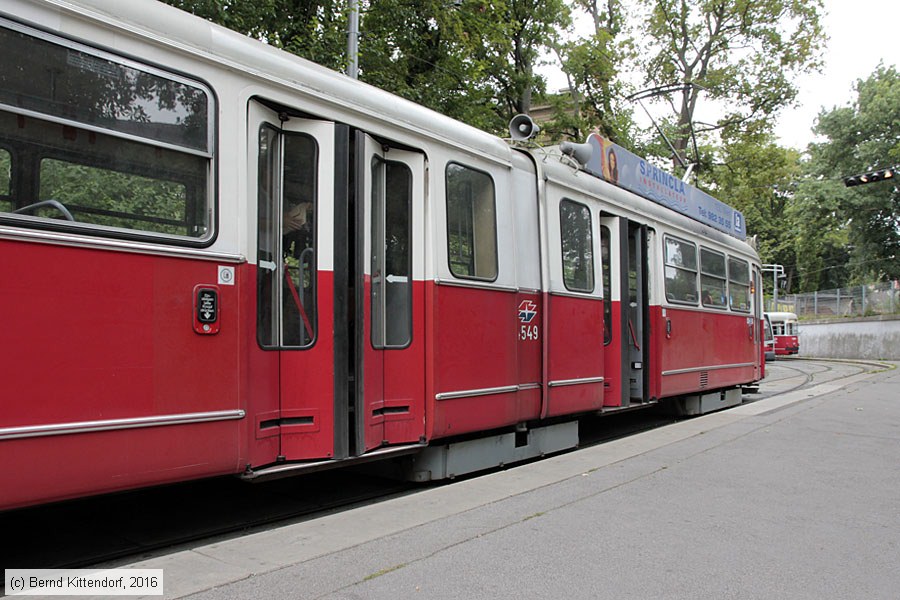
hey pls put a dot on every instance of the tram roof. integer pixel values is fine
(782, 316)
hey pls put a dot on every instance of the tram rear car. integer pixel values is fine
(222, 259)
(786, 329)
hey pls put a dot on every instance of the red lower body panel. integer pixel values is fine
(704, 350)
(786, 345)
(484, 375)
(575, 376)
(96, 339)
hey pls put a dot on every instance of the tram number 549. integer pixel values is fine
(529, 332)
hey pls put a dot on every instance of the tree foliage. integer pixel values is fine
(427, 52)
(529, 27)
(473, 60)
(862, 222)
(313, 29)
(757, 176)
(592, 68)
(743, 54)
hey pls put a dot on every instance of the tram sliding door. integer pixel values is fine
(340, 290)
(291, 161)
(390, 310)
(573, 308)
(626, 311)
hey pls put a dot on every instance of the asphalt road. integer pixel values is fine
(790, 496)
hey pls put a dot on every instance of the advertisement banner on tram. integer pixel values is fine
(617, 165)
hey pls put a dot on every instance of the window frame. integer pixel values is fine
(733, 282)
(6, 196)
(130, 62)
(275, 311)
(721, 278)
(495, 249)
(206, 200)
(382, 344)
(606, 282)
(589, 258)
(695, 270)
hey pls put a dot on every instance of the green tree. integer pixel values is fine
(819, 235)
(743, 54)
(532, 25)
(592, 66)
(431, 52)
(758, 177)
(861, 137)
(473, 60)
(313, 29)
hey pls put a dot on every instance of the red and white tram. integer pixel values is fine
(786, 329)
(219, 258)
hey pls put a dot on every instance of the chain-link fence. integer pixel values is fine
(858, 301)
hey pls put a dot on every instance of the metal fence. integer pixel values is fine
(858, 301)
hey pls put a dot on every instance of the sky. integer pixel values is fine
(860, 32)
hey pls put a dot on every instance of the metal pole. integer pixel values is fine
(353, 41)
(775, 288)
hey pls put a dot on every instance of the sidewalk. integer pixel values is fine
(795, 496)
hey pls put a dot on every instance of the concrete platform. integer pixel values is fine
(795, 496)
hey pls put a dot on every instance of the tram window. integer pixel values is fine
(739, 284)
(102, 145)
(72, 176)
(287, 215)
(577, 246)
(5, 171)
(391, 290)
(471, 223)
(79, 84)
(680, 271)
(712, 279)
(606, 259)
(112, 198)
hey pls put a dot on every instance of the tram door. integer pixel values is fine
(340, 292)
(638, 335)
(626, 309)
(292, 382)
(390, 202)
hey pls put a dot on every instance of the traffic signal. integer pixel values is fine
(870, 177)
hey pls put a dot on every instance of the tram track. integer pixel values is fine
(781, 383)
(786, 378)
(131, 526)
